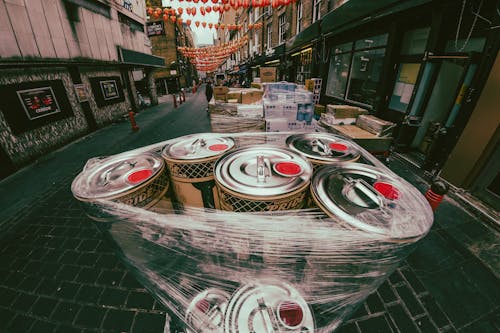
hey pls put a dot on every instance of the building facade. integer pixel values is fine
(66, 69)
(429, 66)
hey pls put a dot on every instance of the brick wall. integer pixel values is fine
(24, 147)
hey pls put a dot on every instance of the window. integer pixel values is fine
(316, 10)
(269, 36)
(299, 16)
(355, 70)
(282, 30)
(415, 41)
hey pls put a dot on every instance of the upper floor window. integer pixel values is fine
(316, 10)
(299, 16)
(282, 28)
(269, 35)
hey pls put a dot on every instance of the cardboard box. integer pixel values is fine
(235, 124)
(250, 110)
(345, 111)
(251, 96)
(221, 90)
(235, 95)
(328, 118)
(287, 125)
(319, 109)
(220, 97)
(309, 85)
(268, 74)
(375, 125)
(256, 85)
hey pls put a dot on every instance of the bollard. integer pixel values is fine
(180, 99)
(175, 100)
(436, 193)
(131, 115)
(183, 96)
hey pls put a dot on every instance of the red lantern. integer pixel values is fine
(222, 26)
(204, 1)
(172, 18)
(215, 8)
(179, 20)
(196, 1)
(180, 10)
(150, 11)
(210, 25)
(202, 11)
(204, 24)
(188, 22)
(188, 11)
(165, 17)
(193, 11)
(227, 7)
(215, 1)
(208, 9)
(197, 23)
(216, 25)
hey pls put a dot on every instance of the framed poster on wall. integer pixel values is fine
(38, 102)
(107, 90)
(81, 92)
(30, 105)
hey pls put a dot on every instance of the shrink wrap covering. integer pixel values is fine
(294, 271)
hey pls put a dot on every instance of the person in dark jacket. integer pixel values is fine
(209, 91)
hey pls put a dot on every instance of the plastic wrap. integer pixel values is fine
(281, 271)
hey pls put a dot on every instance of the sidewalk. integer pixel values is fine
(58, 273)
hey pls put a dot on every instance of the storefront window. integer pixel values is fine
(354, 75)
(405, 84)
(337, 75)
(365, 75)
(415, 41)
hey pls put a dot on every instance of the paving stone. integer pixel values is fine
(70, 243)
(436, 313)
(6, 316)
(90, 316)
(129, 281)
(149, 323)
(68, 272)
(361, 311)
(7, 297)
(44, 306)
(348, 328)
(374, 303)
(65, 312)
(118, 320)
(401, 319)
(108, 261)
(68, 290)
(48, 287)
(43, 327)
(110, 277)
(396, 278)
(87, 259)
(413, 280)
(140, 300)
(20, 323)
(88, 275)
(24, 302)
(377, 324)
(410, 300)
(426, 325)
(67, 329)
(113, 297)
(89, 294)
(386, 293)
(88, 245)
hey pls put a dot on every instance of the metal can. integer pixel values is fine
(371, 199)
(323, 148)
(262, 178)
(206, 311)
(139, 180)
(267, 307)
(191, 163)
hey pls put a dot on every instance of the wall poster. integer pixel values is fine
(107, 90)
(38, 102)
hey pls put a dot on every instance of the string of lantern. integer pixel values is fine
(209, 58)
(170, 14)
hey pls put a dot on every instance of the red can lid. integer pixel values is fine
(291, 313)
(139, 176)
(288, 168)
(218, 147)
(338, 146)
(387, 190)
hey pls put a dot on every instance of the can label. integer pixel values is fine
(148, 194)
(231, 202)
(201, 194)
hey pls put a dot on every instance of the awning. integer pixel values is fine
(306, 36)
(141, 59)
(356, 12)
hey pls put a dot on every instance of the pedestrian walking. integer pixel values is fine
(209, 91)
